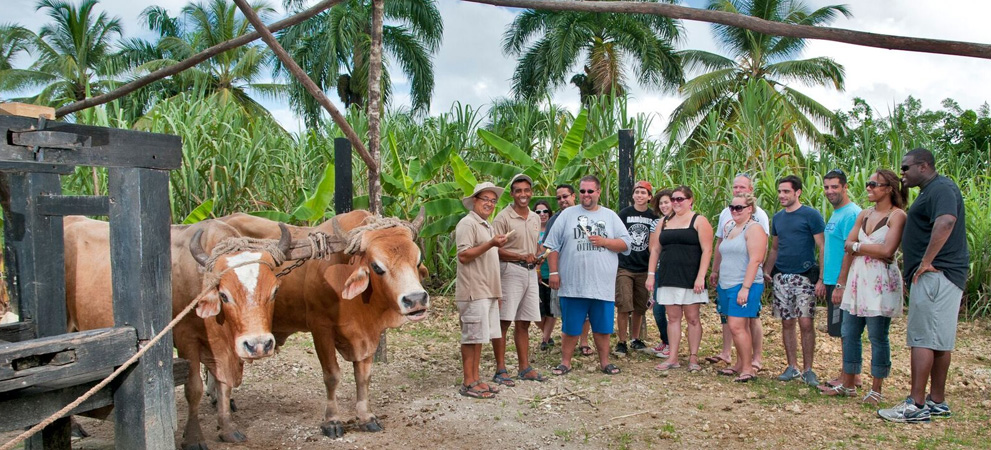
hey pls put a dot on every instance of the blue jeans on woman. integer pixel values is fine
(877, 332)
(661, 319)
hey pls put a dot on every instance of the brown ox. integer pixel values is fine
(233, 318)
(347, 300)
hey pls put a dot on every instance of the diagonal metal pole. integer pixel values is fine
(191, 61)
(307, 83)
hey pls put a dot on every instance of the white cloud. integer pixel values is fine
(470, 67)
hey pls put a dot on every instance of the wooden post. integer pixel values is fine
(142, 290)
(627, 173)
(343, 178)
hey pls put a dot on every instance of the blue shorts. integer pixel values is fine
(729, 306)
(575, 310)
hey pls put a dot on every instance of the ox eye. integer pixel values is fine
(377, 268)
(224, 298)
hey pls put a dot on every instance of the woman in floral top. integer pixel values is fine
(870, 283)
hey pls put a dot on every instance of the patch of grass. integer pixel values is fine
(948, 439)
(623, 441)
(564, 434)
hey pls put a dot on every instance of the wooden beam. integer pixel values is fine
(311, 87)
(191, 61)
(16, 332)
(862, 38)
(26, 110)
(74, 205)
(37, 361)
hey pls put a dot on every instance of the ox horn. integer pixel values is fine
(196, 248)
(418, 222)
(285, 240)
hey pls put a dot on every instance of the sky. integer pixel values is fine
(470, 67)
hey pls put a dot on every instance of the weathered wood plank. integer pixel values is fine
(28, 363)
(16, 332)
(7, 166)
(142, 290)
(74, 205)
(107, 147)
(26, 110)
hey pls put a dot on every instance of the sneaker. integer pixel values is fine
(637, 344)
(662, 350)
(905, 412)
(938, 409)
(810, 378)
(620, 349)
(789, 374)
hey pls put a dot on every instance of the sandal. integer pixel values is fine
(610, 369)
(745, 378)
(757, 367)
(536, 376)
(561, 369)
(502, 377)
(666, 365)
(473, 391)
(585, 350)
(729, 372)
(838, 382)
(694, 368)
(873, 398)
(488, 387)
(544, 346)
(837, 391)
(716, 359)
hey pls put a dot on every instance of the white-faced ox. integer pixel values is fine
(347, 299)
(233, 320)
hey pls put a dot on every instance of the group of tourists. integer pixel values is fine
(600, 271)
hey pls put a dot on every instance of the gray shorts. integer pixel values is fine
(479, 320)
(520, 293)
(933, 306)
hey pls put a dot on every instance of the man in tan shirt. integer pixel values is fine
(477, 290)
(518, 259)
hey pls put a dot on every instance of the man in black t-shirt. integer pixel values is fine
(936, 260)
(631, 291)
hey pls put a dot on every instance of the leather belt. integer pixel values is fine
(523, 264)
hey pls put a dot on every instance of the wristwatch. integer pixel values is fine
(839, 286)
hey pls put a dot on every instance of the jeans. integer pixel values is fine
(661, 319)
(877, 332)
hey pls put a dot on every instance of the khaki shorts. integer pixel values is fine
(479, 320)
(933, 306)
(631, 291)
(520, 294)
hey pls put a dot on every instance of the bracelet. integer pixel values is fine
(552, 273)
(650, 273)
(856, 247)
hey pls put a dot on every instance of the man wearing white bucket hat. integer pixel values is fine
(477, 290)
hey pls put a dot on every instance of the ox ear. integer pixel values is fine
(356, 283)
(424, 273)
(209, 304)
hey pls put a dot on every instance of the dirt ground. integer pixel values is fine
(415, 397)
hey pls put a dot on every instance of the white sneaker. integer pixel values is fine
(662, 350)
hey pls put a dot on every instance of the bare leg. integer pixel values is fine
(636, 324)
(922, 368)
(790, 341)
(521, 335)
(740, 330)
(727, 353)
(757, 338)
(940, 371)
(568, 343)
(622, 327)
(585, 330)
(808, 342)
(602, 347)
(469, 365)
(694, 332)
(674, 331)
(499, 346)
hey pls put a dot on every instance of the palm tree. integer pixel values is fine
(74, 54)
(14, 40)
(333, 48)
(760, 57)
(550, 43)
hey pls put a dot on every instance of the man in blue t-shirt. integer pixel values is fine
(796, 274)
(845, 212)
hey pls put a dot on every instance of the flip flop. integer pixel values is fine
(729, 372)
(471, 391)
(561, 369)
(502, 377)
(585, 350)
(536, 377)
(716, 359)
(757, 367)
(745, 378)
(693, 368)
(610, 369)
(666, 366)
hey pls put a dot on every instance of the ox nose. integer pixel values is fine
(258, 346)
(417, 299)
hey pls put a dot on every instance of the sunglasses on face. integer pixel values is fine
(586, 191)
(678, 199)
(874, 184)
(542, 211)
(905, 167)
(737, 208)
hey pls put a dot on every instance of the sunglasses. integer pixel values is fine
(737, 208)
(836, 171)
(905, 167)
(542, 211)
(678, 199)
(874, 184)
(586, 191)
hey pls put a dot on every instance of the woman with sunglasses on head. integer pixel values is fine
(869, 287)
(686, 247)
(741, 280)
(543, 210)
(661, 204)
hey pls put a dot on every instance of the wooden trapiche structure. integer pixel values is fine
(43, 368)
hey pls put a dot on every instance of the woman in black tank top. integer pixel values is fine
(686, 248)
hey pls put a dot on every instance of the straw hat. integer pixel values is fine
(469, 201)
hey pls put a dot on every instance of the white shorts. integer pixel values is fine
(667, 295)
